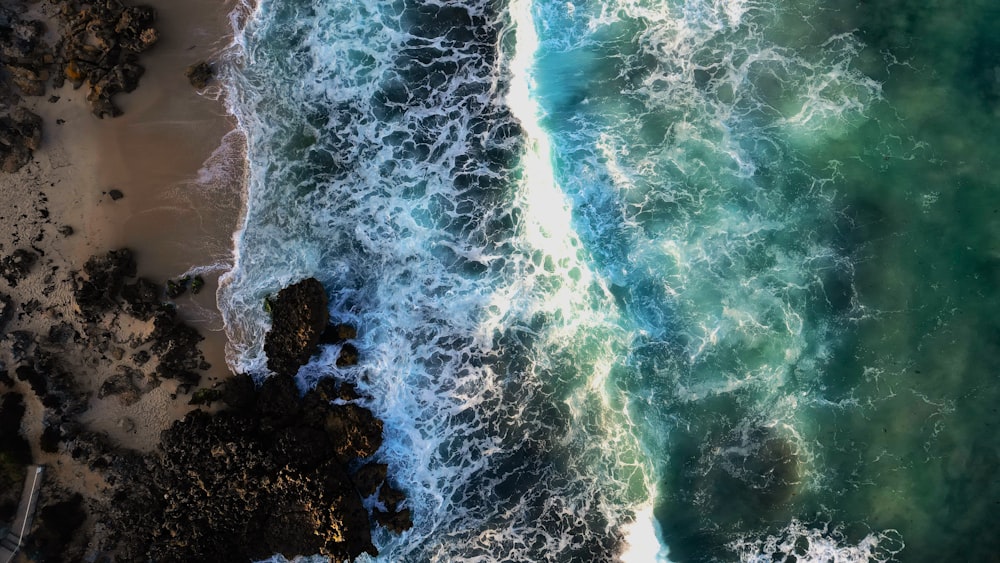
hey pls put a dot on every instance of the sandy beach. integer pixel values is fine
(177, 163)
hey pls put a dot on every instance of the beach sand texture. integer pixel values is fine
(174, 157)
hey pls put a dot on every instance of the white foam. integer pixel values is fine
(643, 539)
(818, 544)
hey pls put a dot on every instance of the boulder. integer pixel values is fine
(199, 74)
(298, 318)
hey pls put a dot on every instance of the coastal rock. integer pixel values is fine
(15, 267)
(15, 453)
(212, 471)
(368, 478)
(142, 298)
(354, 430)
(20, 135)
(397, 521)
(199, 74)
(100, 45)
(299, 317)
(176, 344)
(106, 276)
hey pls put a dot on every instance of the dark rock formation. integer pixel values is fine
(299, 317)
(142, 299)
(24, 55)
(197, 283)
(104, 290)
(129, 385)
(100, 44)
(106, 276)
(177, 346)
(369, 477)
(20, 135)
(338, 333)
(269, 477)
(15, 267)
(199, 74)
(177, 288)
(6, 311)
(56, 527)
(15, 453)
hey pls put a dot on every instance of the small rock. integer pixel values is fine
(66, 230)
(348, 356)
(197, 284)
(176, 288)
(116, 195)
(199, 74)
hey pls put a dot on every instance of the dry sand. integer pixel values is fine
(175, 157)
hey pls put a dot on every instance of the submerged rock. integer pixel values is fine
(15, 267)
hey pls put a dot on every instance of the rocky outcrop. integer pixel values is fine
(100, 45)
(15, 267)
(98, 292)
(268, 476)
(299, 317)
(25, 56)
(20, 136)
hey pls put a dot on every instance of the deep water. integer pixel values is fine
(706, 280)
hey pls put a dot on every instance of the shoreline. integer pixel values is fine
(109, 372)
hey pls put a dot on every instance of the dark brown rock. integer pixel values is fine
(298, 318)
(368, 478)
(397, 521)
(106, 276)
(16, 267)
(142, 298)
(199, 74)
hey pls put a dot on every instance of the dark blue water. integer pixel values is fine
(644, 280)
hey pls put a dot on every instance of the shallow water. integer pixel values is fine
(723, 264)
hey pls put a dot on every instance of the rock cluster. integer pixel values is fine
(199, 74)
(104, 289)
(100, 45)
(103, 295)
(99, 42)
(271, 473)
(20, 135)
(25, 56)
(243, 484)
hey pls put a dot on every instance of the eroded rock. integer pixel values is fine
(299, 317)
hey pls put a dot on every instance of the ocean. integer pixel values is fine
(643, 280)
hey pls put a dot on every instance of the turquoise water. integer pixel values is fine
(645, 280)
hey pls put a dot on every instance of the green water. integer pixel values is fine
(920, 188)
(842, 289)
